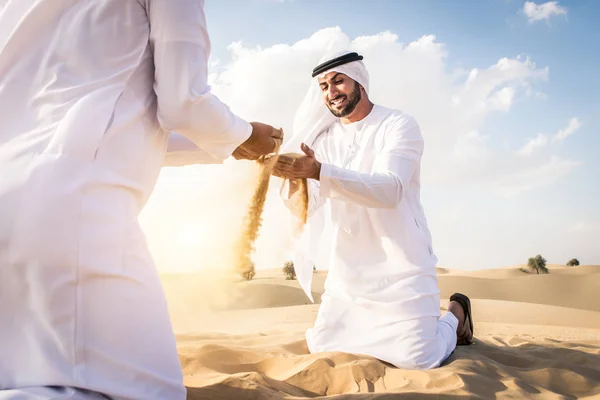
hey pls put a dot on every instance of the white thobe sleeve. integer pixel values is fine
(181, 151)
(181, 45)
(392, 171)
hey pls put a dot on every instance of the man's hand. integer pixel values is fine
(297, 166)
(261, 142)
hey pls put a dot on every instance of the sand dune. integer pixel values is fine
(566, 287)
(537, 336)
(574, 291)
(517, 271)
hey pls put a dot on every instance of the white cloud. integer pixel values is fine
(502, 100)
(451, 106)
(268, 84)
(541, 140)
(538, 12)
(562, 134)
(533, 176)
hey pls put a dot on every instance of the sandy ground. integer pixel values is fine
(536, 337)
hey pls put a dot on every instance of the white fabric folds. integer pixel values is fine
(312, 119)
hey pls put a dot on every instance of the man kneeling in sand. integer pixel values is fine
(362, 163)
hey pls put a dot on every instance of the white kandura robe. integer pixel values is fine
(381, 294)
(88, 91)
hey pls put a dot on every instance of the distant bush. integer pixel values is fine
(573, 262)
(289, 271)
(249, 272)
(537, 264)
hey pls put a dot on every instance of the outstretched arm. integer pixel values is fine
(382, 188)
(181, 151)
(392, 172)
(181, 45)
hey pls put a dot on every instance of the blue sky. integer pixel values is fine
(472, 226)
(477, 32)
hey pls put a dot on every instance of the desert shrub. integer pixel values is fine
(537, 264)
(249, 272)
(289, 271)
(573, 262)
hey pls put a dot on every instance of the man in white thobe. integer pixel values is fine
(88, 93)
(362, 162)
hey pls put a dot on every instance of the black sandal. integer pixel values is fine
(465, 303)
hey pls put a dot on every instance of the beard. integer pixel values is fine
(353, 100)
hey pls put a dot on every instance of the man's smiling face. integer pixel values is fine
(341, 94)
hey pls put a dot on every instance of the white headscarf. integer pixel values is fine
(313, 118)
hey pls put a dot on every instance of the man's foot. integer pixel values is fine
(460, 306)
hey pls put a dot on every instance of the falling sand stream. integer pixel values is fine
(253, 219)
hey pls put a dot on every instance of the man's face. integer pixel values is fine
(340, 93)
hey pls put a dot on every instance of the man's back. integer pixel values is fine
(76, 83)
(80, 149)
(63, 66)
(89, 91)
